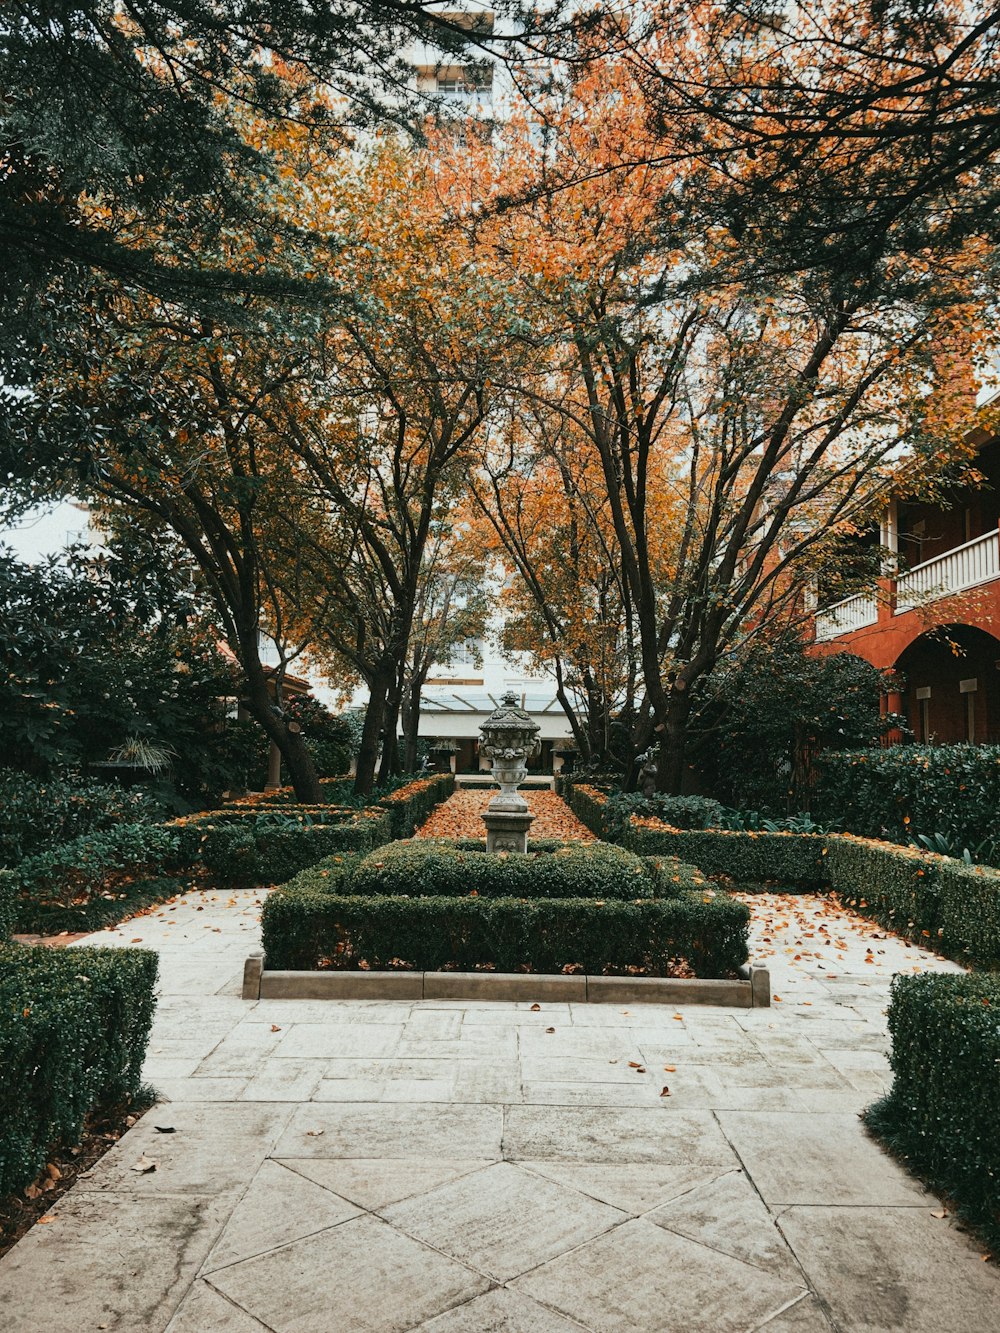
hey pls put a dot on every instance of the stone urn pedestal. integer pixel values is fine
(507, 831)
(509, 735)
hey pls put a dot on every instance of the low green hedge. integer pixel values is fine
(74, 1025)
(969, 900)
(263, 849)
(589, 804)
(312, 929)
(942, 1111)
(437, 867)
(95, 879)
(112, 903)
(408, 807)
(8, 904)
(792, 859)
(331, 875)
(898, 886)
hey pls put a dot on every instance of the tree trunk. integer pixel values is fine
(364, 780)
(263, 704)
(390, 726)
(294, 751)
(411, 722)
(673, 742)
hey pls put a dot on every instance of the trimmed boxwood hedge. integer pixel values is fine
(941, 1113)
(74, 1025)
(241, 850)
(436, 866)
(793, 859)
(330, 875)
(112, 903)
(408, 807)
(311, 929)
(95, 879)
(933, 900)
(588, 803)
(8, 904)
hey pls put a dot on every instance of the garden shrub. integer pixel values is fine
(74, 1025)
(791, 859)
(410, 805)
(941, 1113)
(241, 852)
(908, 790)
(682, 812)
(84, 865)
(312, 929)
(969, 906)
(437, 867)
(331, 875)
(936, 901)
(36, 813)
(898, 886)
(589, 804)
(8, 904)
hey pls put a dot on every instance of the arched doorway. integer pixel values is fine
(952, 686)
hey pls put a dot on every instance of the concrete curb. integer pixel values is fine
(751, 991)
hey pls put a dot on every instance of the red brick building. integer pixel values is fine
(935, 623)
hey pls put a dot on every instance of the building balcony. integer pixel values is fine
(970, 565)
(966, 566)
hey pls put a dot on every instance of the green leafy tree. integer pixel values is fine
(762, 717)
(111, 655)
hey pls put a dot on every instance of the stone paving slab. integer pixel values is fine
(456, 1167)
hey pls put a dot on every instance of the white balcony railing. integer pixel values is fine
(846, 616)
(966, 566)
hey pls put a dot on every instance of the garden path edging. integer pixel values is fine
(751, 991)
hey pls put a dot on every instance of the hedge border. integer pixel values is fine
(936, 901)
(108, 908)
(314, 930)
(940, 1114)
(74, 1027)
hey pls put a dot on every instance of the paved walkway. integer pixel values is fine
(478, 1168)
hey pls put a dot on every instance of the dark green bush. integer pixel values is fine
(78, 869)
(331, 875)
(969, 904)
(589, 804)
(942, 1111)
(410, 805)
(908, 790)
(74, 1025)
(36, 813)
(241, 855)
(435, 866)
(790, 859)
(898, 886)
(8, 904)
(312, 929)
(682, 812)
